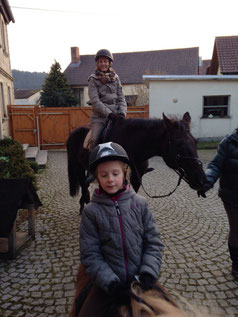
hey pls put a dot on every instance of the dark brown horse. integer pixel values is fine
(142, 139)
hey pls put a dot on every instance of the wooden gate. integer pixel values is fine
(49, 127)
(23, 125)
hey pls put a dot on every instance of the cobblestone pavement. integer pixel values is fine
(40, 280)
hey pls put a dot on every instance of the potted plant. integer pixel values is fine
(18, 184)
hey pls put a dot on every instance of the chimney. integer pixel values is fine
(75, 55)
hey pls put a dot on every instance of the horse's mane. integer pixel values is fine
(150, 123)
(143, 122)
(153, 306)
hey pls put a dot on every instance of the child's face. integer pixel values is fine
(103, 64)
(110, 175)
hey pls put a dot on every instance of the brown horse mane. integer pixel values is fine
(150, 123)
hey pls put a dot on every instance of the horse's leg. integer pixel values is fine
(85, 195)
(138, 170)
(85, 198)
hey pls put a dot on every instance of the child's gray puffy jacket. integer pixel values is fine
(119, 239)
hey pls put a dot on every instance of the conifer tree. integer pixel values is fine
(55, 91)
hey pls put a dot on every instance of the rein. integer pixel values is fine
(181, 175)
(142, 301)
(106, 130)
(165, 195)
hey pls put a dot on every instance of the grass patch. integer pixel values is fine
(207, 145)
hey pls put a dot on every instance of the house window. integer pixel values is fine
(0, 33)
(9, 96)
(131, 100)
(3, 35)
(215, 106)
(78, 94)
(2, 101)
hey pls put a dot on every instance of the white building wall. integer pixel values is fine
(178, 94)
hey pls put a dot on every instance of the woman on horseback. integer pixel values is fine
(105, 94)
(118, 235)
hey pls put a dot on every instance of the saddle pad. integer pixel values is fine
(87, 141)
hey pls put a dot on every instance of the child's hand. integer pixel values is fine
(117, 289)
(147, 281)
(114, 287)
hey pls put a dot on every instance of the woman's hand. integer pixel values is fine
(112, 116)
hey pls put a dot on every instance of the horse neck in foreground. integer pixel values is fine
(149, 304)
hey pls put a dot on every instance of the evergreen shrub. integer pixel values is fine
(13, 163)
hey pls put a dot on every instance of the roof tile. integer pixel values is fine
(227, 52)
(25, 93)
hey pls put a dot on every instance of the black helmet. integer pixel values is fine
(105, 53)
(107, 152)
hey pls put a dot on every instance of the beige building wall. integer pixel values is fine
(6, 79)
(139, 90)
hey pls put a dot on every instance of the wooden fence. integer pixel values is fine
(48, 127)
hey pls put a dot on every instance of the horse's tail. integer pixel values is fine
(76, 171)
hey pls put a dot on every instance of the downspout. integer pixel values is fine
(1, 129)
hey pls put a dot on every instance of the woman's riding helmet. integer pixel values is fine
(104, 53)
(109, 151)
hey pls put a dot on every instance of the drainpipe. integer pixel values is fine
(1, 129)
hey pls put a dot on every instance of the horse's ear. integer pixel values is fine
(166, 121)
(187, 118)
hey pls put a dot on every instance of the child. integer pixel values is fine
(118, 235)
(105, 94)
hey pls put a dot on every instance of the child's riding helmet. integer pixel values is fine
(109, 151)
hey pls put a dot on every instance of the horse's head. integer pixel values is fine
(180, 151)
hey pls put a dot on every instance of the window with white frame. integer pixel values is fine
(9, 96)
(0, 32)
(3, 35)
(2, 101)
(79, 95)
(216, 106)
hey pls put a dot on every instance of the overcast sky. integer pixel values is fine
(40, 36)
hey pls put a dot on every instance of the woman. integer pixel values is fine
(105, 94)
(225, 166)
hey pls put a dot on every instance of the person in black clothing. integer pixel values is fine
(225, 166)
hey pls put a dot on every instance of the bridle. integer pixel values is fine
(140, 300)
(178, 169)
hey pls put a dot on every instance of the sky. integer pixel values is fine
(40, 36)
